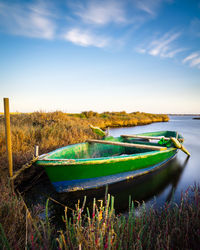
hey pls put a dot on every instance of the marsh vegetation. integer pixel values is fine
(173, 226)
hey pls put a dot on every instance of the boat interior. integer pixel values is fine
(95, 150)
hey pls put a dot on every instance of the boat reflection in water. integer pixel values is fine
(141, 188)
(146, 187)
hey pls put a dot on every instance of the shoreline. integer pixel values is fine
(183, 114)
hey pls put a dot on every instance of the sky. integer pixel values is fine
(107, 55)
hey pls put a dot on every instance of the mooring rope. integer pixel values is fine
(25, 166)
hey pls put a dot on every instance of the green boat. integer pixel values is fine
(95, 163)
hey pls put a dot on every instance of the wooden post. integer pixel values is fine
(8, 135)
(108, 131)
(36, 151)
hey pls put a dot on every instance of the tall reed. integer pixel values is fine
(172, 227)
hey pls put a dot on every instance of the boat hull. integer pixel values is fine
(69, 172)
(97, 182)
(84, 175)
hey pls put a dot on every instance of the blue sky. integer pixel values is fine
(133, 55)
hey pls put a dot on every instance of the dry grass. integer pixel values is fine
(12, 219)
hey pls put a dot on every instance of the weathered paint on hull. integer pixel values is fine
(83, 184)
(98, 168)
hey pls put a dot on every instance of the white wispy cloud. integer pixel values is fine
(150, 7)
(141, 50)
(31, 20)
(36, 20)
(163, 46)
(101, 12)
(190, 57)
(193, 60)
(85, 38)
(146, 6)
(172, 53)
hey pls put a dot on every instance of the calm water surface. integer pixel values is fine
(187, 172)
(164, 185)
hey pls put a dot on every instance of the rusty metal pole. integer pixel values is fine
(8, 137)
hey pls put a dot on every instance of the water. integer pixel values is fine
(167, 184)
(189, 171)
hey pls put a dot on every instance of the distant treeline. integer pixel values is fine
(121, 119)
